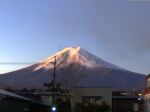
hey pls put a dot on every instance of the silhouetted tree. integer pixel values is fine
(50, 87)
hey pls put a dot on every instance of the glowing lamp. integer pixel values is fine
(54, 109)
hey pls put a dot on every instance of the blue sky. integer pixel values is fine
(117, 31)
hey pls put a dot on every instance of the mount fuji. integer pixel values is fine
(74, 67)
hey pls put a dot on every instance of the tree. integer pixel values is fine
(50, 87)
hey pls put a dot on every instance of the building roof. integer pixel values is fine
(4, 93)
(124, 95)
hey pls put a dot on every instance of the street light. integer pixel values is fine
(53, 109)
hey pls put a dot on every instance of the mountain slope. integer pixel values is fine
(75, 67)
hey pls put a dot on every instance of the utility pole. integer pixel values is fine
(53, 109)
(54, 81)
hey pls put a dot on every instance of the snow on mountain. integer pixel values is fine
(74, 65)
(76, 54)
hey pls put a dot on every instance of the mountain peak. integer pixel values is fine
(76, 55)
(76, 65)
(71, 50)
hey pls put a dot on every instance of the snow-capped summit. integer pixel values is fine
(76, 55)
(70, 51)
(74, 65)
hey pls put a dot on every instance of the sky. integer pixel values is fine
(117, 31)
